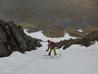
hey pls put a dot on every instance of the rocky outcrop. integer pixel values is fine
(86, 41)
(13, 38)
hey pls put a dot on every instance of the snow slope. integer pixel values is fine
(74, 60)
(40, 35)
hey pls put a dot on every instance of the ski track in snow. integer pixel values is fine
(73, 60)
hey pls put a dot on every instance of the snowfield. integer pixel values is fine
(74, 60)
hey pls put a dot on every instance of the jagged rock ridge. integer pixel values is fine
(13, 38)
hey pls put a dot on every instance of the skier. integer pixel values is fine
(51, 47)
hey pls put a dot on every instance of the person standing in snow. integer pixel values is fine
(51, 47)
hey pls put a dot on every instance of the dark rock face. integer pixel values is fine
(13, 38)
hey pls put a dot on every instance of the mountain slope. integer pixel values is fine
(51, 16)
(74, 60)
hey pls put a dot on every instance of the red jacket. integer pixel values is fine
(51, 43)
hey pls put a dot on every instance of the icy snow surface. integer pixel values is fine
(74, 60)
